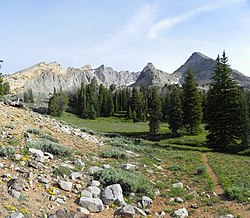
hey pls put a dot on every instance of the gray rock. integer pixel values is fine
(126, 211)
(227, 216)
(162, 214)
(86, 193)
(127, 166)
(17, 184)
(95, 183)
(49, 155)
(60, 200)
(67, 186)
(65, 130)
(91, 204)
(94, 169)
(112, 194)
(83, 210)
(76, 175)
(36, 152)
(16, 215)
(95, 191)
(106, 166)
(35, 164)
(146, 202)
(181, 213)
(14, 193)
(43, 179)
(178, 200)
(139, 211)
(79, 163)
(178, 185)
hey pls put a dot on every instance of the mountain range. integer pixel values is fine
(45, 78)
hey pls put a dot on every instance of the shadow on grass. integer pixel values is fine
(157, 141)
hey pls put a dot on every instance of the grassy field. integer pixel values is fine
(107, 125)
(182, 156)
(127, 128)
(233, 172)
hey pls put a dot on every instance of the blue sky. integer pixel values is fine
(123, 34)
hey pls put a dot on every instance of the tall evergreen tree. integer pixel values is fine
(155, 113)
(136, 103)
(58, 103)
(175, 113)
(226, 112)
(192, 108)
(1, 84)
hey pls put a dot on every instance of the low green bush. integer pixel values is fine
(238, 193)
(61, 170)
(34, 131)
(129, 144)
(7, 151)
(245, 152)
(130, 181)
(201, 170)
(50, 138)
(114, 153)
(51, 147)
(42, 135)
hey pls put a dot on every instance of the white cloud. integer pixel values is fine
(136, 26)
(170, 22)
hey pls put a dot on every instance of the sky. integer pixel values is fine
(123, 34)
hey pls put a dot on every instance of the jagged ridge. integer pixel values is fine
(44, 78)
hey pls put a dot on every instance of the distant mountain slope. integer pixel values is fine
(203, 68)
(150, 76)
(44, 78)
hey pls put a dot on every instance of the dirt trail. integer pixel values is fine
(217, 187)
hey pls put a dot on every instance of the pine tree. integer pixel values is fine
(192, 109)
(1, 85)
(58, 104)
(226, 112)
(175, 114)
(155, 114)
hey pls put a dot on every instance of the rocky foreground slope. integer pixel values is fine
(45, 78)
(47, 169)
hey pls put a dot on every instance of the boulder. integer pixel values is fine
(95, 191)
(112, 194)
(91, 204)
(67, 186)
(127, 166)
(16, 184)
(17, 215)
(94, 169)
(178, 200)
(14, 193)
(146, 202)
(95, 183)
(126, 211)
(79, 163)
(181, 213)
(178, 185)
(36, 152)
(86, 193)
(227, 216)
(76, 175)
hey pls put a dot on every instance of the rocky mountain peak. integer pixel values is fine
(150, 66)
(197, 57)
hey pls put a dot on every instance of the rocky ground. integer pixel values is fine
(47, 167)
